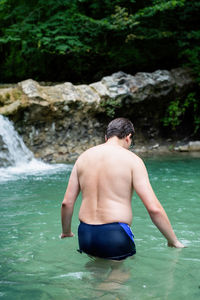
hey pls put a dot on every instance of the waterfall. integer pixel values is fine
(12, 148)
(15, 157)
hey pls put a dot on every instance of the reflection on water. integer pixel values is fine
(110, 276)
(36, 264)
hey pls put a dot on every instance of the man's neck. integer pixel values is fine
(115, 141)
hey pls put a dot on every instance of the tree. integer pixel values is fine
(82, 40)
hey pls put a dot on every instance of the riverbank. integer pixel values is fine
(168, 148)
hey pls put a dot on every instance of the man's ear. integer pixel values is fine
(128, 137)
(106, 138)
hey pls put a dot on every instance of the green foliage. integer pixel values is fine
(192, 60)
(110, 105)
(174, 112)
(79, 40)
(178, 109)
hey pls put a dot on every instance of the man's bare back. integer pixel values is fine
(107, 175)
(106, 181)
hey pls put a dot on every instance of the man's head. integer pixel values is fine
(121, 128)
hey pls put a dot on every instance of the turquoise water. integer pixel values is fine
(36, 264)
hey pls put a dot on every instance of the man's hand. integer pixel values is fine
(177, 244)
(64, 235)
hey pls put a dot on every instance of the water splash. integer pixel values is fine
(12, 148)
(15, 157)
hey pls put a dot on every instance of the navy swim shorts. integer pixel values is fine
(111, 241)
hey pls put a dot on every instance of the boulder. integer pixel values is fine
(192, 146)
(138, 88)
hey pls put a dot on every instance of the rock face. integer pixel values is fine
(59, 122)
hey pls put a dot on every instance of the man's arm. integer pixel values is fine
(157, 213)
(67, 208)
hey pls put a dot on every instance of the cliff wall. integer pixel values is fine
(58, 122)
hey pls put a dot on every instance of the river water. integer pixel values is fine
(36, 264)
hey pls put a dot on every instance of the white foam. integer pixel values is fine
(75, 275)
(33, 167)
(15, 151)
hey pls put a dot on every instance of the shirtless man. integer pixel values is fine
(107, 175)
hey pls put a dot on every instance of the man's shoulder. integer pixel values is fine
(92, 149)
(135, 159)
(88, 152)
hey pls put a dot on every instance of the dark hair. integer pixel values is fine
(120, 127)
